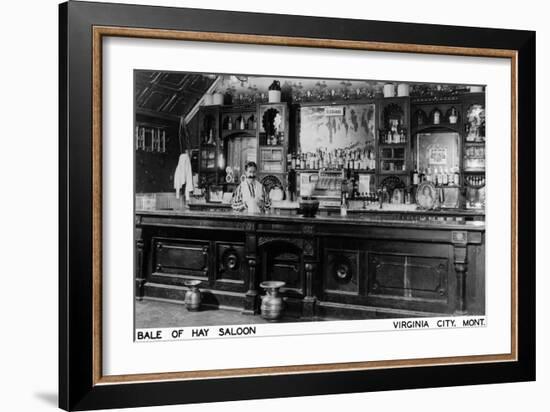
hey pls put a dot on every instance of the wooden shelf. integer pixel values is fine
(369, 171)
(226, 132)
(394, 172)
(457, 127)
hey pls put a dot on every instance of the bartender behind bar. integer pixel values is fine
(250, 195)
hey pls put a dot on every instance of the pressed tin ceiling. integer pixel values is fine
(170, 93)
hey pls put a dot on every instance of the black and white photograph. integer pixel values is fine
(264, 199)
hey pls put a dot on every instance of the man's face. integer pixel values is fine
(251, 173)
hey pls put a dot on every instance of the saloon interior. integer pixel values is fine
(372, 200)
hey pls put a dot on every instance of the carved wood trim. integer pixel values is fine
(264, 240)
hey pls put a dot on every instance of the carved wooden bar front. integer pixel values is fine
(332, 267)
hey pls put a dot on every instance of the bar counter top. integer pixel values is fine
(351, 219)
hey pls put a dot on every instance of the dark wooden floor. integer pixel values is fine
(159, 314)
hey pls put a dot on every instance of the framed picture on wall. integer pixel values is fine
(239, 206)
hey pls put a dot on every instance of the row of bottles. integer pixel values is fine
(393, 136)
(239, 123)
(438, 176)
(475, 181)
(435, 117)
(276, 139)
(353, 159)
(366, 199)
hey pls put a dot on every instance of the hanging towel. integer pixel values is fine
(183, 176)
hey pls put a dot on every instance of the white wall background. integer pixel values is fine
(28, 211)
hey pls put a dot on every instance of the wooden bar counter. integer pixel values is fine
(358, 266)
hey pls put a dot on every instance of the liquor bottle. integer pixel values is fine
(242, 123)
(344, 203)
(445, 177)
(457, 177)
(229, 123)
(453, 117)
(373, 160)
(436, 116)
(356, 193)
(415, 177)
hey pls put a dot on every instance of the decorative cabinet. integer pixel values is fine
(474, 134)
(474, 151)
(394, 141)
(436, 144)
(458, 122)
(209, 147)
(273, 141)
(239, 142)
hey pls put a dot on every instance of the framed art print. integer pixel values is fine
(259, 205)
